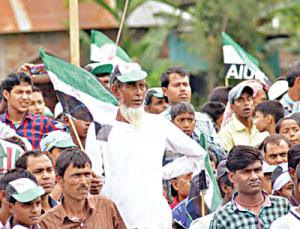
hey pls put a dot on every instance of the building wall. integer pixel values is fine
(16, 49)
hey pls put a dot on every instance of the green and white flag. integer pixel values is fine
(238, 63)
(104, 50)
(82, 86)
(81, 96)
(9, 153)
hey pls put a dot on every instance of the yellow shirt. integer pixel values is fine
(236, 133)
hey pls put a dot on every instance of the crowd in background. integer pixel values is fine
(251, 133)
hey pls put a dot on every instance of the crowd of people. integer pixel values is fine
(154, 155)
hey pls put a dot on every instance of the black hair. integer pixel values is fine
(165, 77)
(11, 176)
(17, 141)
(181, 108)
(293, 73)
(15, 79)
(294, 156)
(36, 89)
(174, 193)
(271, 107)
(241, 156)
(21, 163)
(295, 115)
(278, 124)
(224, 180)
(275, 139)
(219, 94)
(71, 156)
(213, 109)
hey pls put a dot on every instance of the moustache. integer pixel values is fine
(83, 187)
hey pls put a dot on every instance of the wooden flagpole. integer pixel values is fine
(122, 22)
(75, 132)
(74, 50)
(226, 82)
(74, 32)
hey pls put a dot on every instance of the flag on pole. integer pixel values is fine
(239, 64)
(9, 153)
(191, 207)
(104, 49)
(81, 95)
(213, 198)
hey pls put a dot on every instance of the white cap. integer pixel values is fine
(277, 89)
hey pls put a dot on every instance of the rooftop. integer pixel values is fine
(19, 16)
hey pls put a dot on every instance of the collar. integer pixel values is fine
(52, 202)
(238, 207)
(238, 125)
(89, 205)
(28, 115)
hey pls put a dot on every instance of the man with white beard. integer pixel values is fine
(133, 148)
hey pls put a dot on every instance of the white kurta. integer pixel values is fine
(133, 169)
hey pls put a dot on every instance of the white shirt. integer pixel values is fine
(289, 221)
(133, 169)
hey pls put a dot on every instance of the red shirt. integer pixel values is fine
(174, 203)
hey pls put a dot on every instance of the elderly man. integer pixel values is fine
(133, 148)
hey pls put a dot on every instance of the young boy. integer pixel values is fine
(183, 116)
(267, 114)
(24, 197)
(290, 128)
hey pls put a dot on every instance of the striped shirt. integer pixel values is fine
(32, 127)
(102, 214)
(234, 216)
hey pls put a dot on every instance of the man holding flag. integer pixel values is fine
(133, 147)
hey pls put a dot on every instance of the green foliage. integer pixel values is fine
(248, 22)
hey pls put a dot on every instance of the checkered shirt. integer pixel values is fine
(232, 216)
(33, 127)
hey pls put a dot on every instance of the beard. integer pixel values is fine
(133, 115)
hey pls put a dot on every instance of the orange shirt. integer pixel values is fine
(102, 214)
